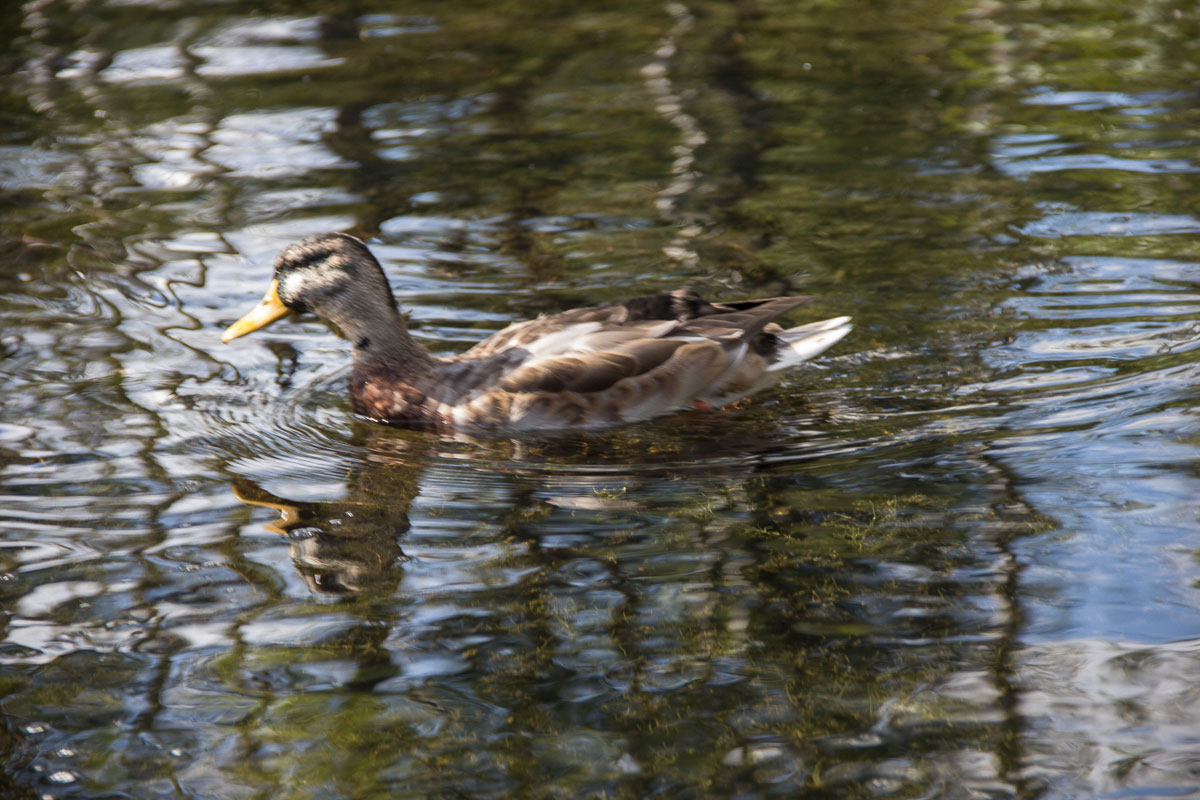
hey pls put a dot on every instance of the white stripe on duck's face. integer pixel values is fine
(318, 288)
(319, 269)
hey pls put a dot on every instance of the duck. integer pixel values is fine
(621, 362)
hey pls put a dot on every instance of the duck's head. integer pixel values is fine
(331, 275)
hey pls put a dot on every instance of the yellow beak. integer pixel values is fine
(269, 309)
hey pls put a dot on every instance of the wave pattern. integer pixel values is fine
(956, 556)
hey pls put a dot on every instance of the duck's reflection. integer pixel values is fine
(632, 566)
(352, 545)
(337, 547)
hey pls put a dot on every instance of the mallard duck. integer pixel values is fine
(607, 364)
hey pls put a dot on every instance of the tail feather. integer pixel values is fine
(806, 341)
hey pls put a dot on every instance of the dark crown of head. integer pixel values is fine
(336, 249)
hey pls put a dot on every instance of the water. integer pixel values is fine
(953, 557)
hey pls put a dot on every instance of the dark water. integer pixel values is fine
(956, 556)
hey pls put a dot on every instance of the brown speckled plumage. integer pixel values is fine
(601, 365)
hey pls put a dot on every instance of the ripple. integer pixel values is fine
(1100, 223)
(1083, 695)
(299, 437)
(31, 167)
(227, 62)
(386, 25)
(153, 63)
(258, 30)
(274, 143)
(1023, 167)
(201, 539)
(1120, 309)
(261, 47)
(1082, 100)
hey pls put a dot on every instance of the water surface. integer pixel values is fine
(953, 557)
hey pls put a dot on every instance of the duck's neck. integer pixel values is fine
(387, 345)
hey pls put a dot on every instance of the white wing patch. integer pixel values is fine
(586, 338)
(561, 342)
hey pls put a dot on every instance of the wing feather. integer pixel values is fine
(627, 362)
(681, 305)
